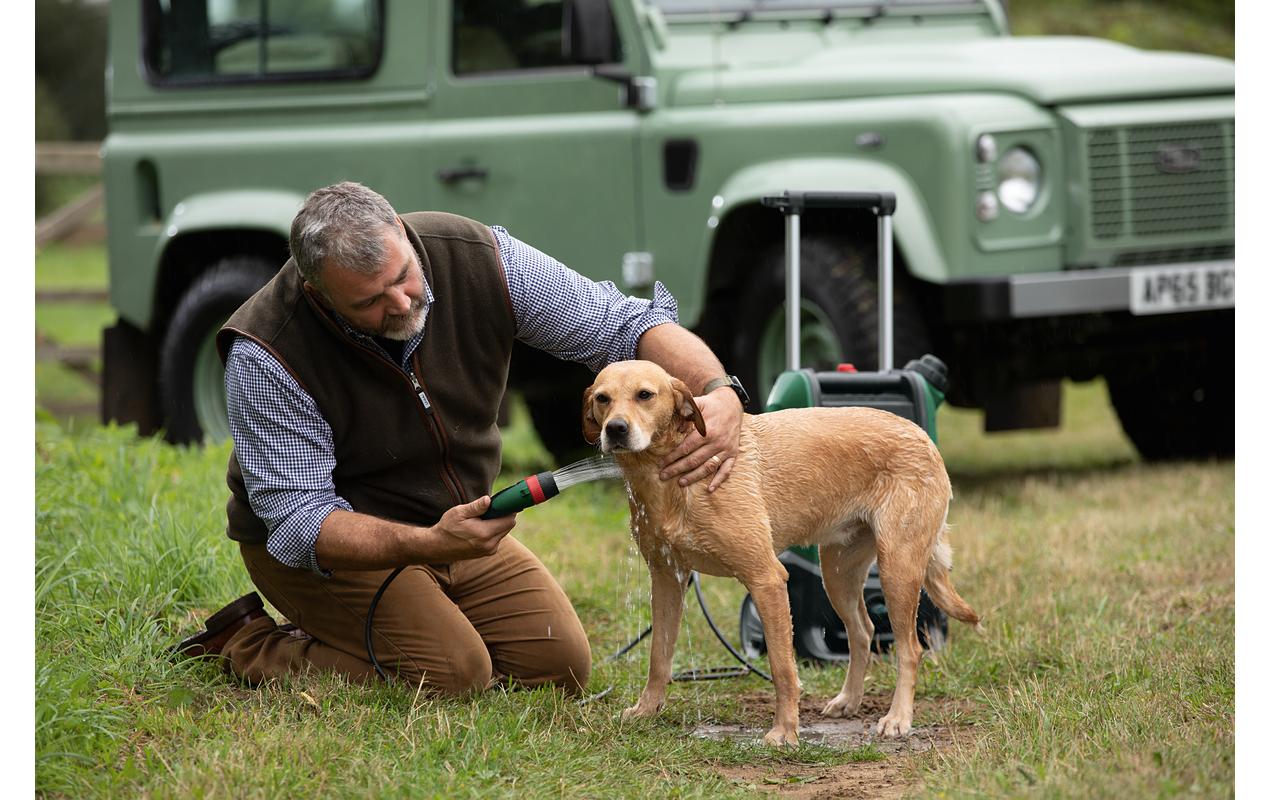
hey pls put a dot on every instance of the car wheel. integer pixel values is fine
(838, 315)
(1172, 409)
(191, 376)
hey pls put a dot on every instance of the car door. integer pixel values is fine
(524, 139)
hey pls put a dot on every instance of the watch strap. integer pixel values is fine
(711, 386)
(732, 382)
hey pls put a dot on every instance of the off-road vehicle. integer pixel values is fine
(1065, 205)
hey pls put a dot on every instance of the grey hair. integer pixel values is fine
(342, 225)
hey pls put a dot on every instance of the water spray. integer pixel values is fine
(543, 486)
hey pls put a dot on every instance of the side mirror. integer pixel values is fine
(589, 35)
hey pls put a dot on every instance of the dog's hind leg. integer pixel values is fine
(905, 537)
(669, 583)
(772, 601)
(844, 568)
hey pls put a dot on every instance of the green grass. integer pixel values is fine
(68, 266)
(1106, 668)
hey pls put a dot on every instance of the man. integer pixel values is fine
(363, 384)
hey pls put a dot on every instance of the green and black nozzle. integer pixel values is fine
(543, 486)
(535, 489)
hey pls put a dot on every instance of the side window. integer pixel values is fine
(503, 35)
(220, 41)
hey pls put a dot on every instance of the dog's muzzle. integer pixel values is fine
(616, 431)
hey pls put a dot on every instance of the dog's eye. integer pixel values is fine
(644, 394)
(602, 399)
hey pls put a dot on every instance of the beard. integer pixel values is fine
(402, 328)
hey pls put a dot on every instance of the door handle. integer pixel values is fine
(449, 175)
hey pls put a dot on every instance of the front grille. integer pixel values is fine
(1161, 181)
(1177, 255)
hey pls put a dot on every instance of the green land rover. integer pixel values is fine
(1065, 206)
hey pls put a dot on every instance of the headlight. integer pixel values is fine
(1019, 179)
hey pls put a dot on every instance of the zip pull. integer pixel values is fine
(419, 390)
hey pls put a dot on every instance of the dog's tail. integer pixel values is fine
(940, 587)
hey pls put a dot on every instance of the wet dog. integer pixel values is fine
(858, 482)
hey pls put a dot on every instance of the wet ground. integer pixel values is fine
(889, 777)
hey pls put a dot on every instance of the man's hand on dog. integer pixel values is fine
(461, 533)
(711, 456)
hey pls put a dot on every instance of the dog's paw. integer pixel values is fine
(841, 706)
(641, 710)
(782, 737)
(894, 724)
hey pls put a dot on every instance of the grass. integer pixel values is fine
(1107, 667)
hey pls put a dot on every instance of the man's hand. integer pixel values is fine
(711, 456)
(461, 533)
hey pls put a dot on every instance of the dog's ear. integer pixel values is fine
(591, 428)
(686, 406)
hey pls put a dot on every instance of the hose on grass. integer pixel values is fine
(704, 674)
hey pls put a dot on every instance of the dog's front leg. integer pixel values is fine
(669, 584)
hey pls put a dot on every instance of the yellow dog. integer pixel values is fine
(858, 482)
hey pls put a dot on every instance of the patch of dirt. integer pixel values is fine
(888, 778)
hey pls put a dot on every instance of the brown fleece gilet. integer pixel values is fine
(396, 458)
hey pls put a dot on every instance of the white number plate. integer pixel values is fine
(1162, 290)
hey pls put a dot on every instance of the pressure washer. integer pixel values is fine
(914, 393)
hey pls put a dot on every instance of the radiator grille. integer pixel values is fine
(1161, 180)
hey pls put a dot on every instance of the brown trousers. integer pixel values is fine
(453, 629)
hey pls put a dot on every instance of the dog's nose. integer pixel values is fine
(616, 429)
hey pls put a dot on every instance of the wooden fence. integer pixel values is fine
(69, 158)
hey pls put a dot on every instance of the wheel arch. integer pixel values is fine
(203, 230)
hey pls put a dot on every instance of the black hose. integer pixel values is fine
(708, 673)
(701, 601)
(370, 615)
(705, 674)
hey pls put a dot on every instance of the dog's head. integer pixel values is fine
(635, 405)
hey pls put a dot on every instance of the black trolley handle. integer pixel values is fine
(882, 205)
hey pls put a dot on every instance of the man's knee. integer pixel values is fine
(565, 661)
(466, 671)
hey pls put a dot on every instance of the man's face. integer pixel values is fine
(389, 302)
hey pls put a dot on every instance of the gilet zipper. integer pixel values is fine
(443, 443)
(448, 476)
(453, 485)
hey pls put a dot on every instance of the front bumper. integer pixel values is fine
(1050, 294)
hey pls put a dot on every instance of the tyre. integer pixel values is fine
(752, 639)
(1181, 408)
(191, 376)
(838, 314)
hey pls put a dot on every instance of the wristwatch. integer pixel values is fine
(731, 382)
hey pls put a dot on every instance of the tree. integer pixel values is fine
(70, 66)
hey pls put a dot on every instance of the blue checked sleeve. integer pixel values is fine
(573, 317)
(285, 450)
